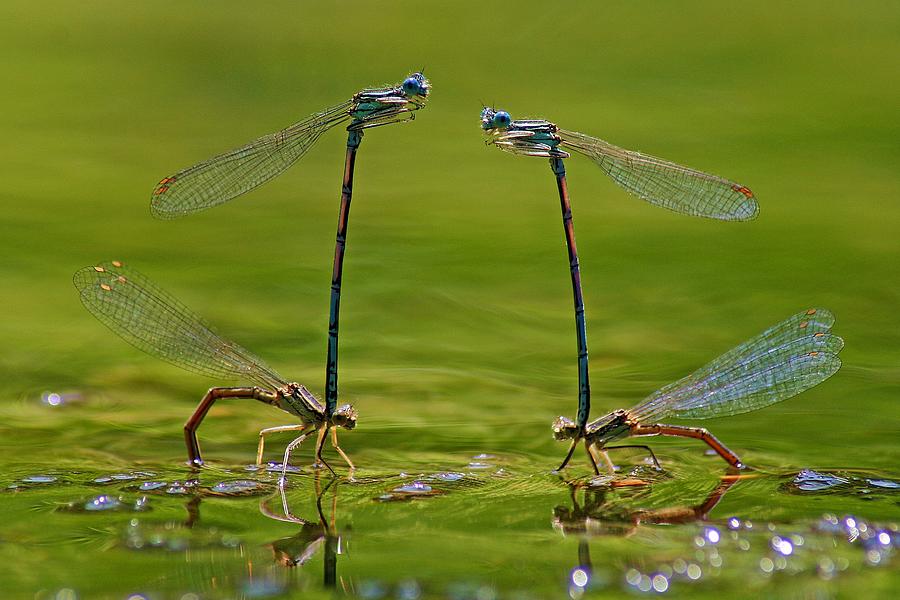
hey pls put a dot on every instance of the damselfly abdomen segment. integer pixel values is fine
(781, 362)
(151, 319)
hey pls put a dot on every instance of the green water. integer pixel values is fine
(457, 339)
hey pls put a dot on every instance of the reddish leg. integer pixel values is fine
(190, 428)
(691, 432)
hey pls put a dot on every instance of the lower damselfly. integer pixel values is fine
(152, 320)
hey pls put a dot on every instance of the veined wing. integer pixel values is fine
(221, 178)
(781, 362)
(665, 183)
(149, 318)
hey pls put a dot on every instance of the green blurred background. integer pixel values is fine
(457, 334)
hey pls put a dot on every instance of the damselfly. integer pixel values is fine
(149, 318)
(658, 181)
(231, 174)
(779, 363)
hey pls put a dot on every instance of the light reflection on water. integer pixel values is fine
(227, 536)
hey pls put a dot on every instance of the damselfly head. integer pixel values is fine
(494, 119)
(564, 428)
(345, 416)
(416, 85)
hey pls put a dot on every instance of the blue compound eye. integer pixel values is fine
(501, 119)
(412, 87)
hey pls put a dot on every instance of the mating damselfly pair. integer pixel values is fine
(779, 363)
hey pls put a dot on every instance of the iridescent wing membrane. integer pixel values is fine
(665, 183)
(783, 361)
(226, 176)
(152, 320)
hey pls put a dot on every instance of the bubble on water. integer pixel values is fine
(884, 483)
(808, 480)
(274, 467)
(149, 486)
(449, 476)
(632, 576)
(241, 486)
(408, 590)
(766, 565)
(177, 490)
(679, 566)
(371, 590)
(263, 588)
(645, 583)
(39, 479)
(694, 571)
(660, 583)
(416, 487)
(102, 502)
(825, 568)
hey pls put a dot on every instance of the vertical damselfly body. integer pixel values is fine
(152, 320)
(657, 181)
(784, 360)
(226, 176)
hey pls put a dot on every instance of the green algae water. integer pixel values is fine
(457, 345)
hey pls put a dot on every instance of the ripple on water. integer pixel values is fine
(810, 481)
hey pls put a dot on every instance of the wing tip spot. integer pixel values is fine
(105, 287)
(117, 263)
(811, 311)
(99, 269)
(741, 189)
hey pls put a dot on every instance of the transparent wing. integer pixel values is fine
(781, 362)
(223, 177)
(667, 184)
(150, 319)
